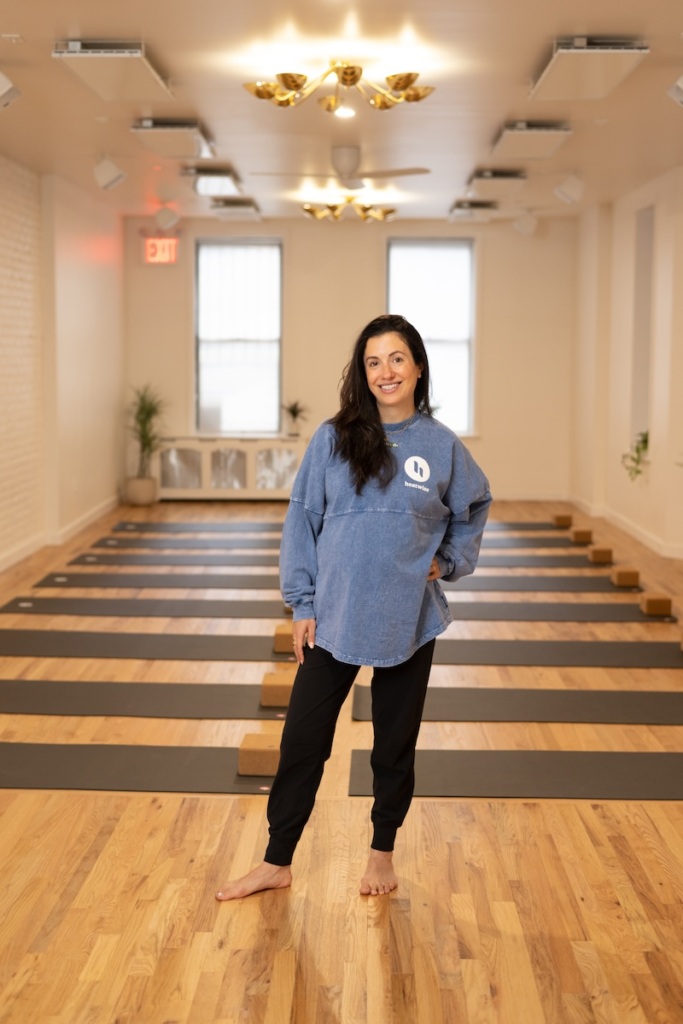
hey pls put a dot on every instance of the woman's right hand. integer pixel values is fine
(303, 634)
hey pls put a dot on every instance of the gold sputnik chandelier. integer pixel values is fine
(334, 211)
(291, 89)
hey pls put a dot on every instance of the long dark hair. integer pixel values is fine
(360, 437)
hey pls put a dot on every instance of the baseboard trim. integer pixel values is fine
(65, 533)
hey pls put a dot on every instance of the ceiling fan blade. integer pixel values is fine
(397, 172)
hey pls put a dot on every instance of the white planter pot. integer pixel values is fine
(141, 490)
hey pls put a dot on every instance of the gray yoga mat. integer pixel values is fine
(187, 543)
(271, 527)
(156, 581)
(536, 774)
(125, 768)
(26, 643)
(578, 561)
(462, 611)
(181, 647)
(198, 560)
(479, 704)
(141, 608)
(207, 581)
(581, 653)
(137, 700)
(227, 527)
(232, 542)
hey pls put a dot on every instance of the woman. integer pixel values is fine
(387, 501)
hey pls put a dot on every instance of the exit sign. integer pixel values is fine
(161, 250)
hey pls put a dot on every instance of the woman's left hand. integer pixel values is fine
(434, 570)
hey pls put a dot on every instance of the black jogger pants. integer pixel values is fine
(320, 688)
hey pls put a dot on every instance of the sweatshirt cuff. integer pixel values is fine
(302, 611)
(446, 567)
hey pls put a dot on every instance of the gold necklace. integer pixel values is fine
(395, 433)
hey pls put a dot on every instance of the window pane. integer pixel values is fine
(430, 283)
(238, 337)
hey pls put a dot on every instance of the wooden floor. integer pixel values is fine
(508, 911)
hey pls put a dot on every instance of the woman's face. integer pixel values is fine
(392, 375)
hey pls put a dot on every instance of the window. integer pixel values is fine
(238, 337)
(430, 283)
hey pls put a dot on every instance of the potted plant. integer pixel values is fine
(633, 460)
(295, 412)
(145, 411)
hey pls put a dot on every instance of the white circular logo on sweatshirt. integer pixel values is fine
(417, 469)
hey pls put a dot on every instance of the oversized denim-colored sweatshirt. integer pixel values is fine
(358, 564)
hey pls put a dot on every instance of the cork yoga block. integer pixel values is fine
(655, 604)
(600, 556)
(562, 521)
(282, 641)
(276, 688)
(625, 576)
(259, 754)
(582, 536)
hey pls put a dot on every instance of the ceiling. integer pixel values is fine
(482, 57)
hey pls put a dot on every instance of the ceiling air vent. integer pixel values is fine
(530, 140)
(179, 140)
(472, 210)
(495, 184)
(115, 71)
(235, 209)
(587, 69)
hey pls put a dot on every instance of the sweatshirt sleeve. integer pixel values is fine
(302, 526)
(469, 498)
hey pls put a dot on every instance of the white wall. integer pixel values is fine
(61, 379)
(84, 357)
(21, 365)
(649, 507)
(335, 281)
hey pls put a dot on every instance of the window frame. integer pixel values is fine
(222, 242)
(470, 244)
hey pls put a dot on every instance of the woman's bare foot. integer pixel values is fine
(265, 876)
(379, 878)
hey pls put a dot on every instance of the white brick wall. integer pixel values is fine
(21, 366)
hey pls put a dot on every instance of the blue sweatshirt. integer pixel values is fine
(358, 564)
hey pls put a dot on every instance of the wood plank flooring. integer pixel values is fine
(507, 912)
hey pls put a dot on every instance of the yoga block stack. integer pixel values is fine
(655, 604)
(282, 641)
(625, 576)
(276, 687)
(599, 556)
(562, 521)
(259, 754)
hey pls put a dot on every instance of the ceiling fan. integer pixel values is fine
(346, 168)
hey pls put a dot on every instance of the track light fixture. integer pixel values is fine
(290, 89)
(335, 211)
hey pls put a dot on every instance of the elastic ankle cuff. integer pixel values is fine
(383, 839)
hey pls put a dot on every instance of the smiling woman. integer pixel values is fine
(392, 376)
(387, 501)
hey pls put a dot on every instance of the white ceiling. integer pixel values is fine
(481, 55)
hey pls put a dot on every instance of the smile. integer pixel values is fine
(389, 387)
